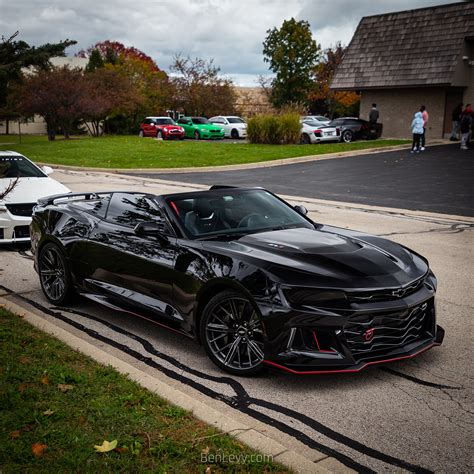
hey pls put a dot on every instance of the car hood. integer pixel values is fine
(328, 257)
(31, 189)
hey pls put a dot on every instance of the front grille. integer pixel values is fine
(25, 210)
(22, 231)
(383, 295)
(376, 334)
(215, 131)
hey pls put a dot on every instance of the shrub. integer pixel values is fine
(281, 129)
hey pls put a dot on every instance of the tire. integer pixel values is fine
(196, 135)
(159, 134)
(230, 318)
(305, 140)
(347, 136)
(141, 134)
(54, 274)
(234, 134)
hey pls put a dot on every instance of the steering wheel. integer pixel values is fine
(244, 222)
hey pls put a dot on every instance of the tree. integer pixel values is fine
(199, 90)
(16, 55)
(322, 98)
(95, 61)
(56, 94)
(292, 54)
(108, 93)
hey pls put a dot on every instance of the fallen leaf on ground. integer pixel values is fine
(121, 450)
(48, 412)
(206, 450)
(64, 387)
(23, 386)
(24, 360)
(45, 380)
(38, 449)
(15, 434)
(106, 446)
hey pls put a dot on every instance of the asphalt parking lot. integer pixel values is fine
(414, 415)
(437, 180)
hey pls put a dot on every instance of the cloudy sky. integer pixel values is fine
(230, 31)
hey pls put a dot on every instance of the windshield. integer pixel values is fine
(313, 123)
(18, 166)
(200, 120)
(164, 121)
(235, 120)
(232, 212)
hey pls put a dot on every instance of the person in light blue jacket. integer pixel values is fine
(417, 130)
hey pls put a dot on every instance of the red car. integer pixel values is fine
(161, 127)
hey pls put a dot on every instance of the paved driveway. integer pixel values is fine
(437, 180)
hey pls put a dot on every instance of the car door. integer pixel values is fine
(135, 271)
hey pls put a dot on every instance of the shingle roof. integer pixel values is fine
(408, 48)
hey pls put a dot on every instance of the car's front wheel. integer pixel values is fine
(159, 135)
(232, 333)
(347, 136)
(55, 277)
(141, 133)
(196, 135)
(234, 134)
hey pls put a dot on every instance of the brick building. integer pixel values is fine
(404, 59)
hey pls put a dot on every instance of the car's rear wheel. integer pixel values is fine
(234, 134)
(141, 133)
(347, 136)
(232, 333)
(305, 140)
(196, 135)
(159, 135)
(55, 277)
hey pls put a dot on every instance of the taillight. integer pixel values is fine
(317, 131)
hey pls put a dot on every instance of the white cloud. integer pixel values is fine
(229, 31)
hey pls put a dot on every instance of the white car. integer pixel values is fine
(17, 206)
(318, 118)
(234, 127)
(313, 131)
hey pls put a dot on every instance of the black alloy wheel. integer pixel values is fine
(305, 140)
(54, 275)
(232, 333)
(347, 136)
(234, 134)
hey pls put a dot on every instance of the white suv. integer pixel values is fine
(234, 127)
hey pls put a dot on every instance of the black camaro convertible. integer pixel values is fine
(251, 277)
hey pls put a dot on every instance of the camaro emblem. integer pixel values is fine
(368, 335)
(399, 292)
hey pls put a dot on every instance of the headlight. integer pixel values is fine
(203, 130)
(222, 130)
(312, 296)
(165, 129)
(3, 208)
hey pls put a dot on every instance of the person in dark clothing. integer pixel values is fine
(456, 118)
(465, 126)
(374, 115)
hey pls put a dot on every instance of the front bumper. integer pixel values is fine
(319, 341)
(171, 135)
(14, 229)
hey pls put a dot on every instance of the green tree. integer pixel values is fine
(95, 61)
(16, 55)
(292, 54)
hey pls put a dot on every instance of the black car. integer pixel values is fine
(251, 277)
(353, 128)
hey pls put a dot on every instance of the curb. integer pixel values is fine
(204, 412)
(262, 164)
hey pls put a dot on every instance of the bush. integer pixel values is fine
(281, 129)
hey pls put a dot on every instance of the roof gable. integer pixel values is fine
(408, 48)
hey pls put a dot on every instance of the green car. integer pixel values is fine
(200, 128)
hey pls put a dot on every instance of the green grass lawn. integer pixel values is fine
(133, 152)
(56, 405)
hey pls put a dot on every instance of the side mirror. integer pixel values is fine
(151, 229)
(47, 170)
(301, 209)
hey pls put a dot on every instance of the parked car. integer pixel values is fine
(200, 128)
(17, 206)
(234, 127)
(353, 128)
(161, 127)
(313, 131)
(318, 118)
(251, 277)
